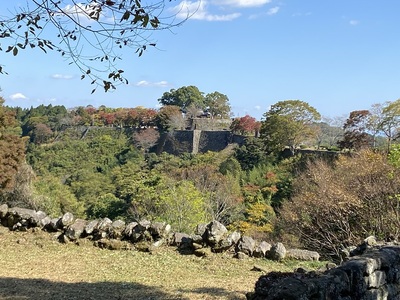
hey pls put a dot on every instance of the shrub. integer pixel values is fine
(333, 207)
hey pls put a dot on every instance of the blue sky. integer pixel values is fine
(338, 56)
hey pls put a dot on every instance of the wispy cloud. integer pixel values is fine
(354, 22)
(198, 10)
(273, 11)
(18, 96)
(216, 10)
(61, 76)
(257, 107)
(300, 14)
(270, 12)
(145, 83)
(241, 3)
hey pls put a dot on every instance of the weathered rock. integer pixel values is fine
(44, 219)
(277, 252)
(197, 246)
(117, 229)
(262, 249)
(215, 232)
(104, 224)
(134, 232)
(246, 245)
(91, 227)
(200, 229)
(302, 254)
(66, 220)
(129, 229)
(197, 239)
(145, 224)
(3, 210)
(241, 255)
(182, 240)
(158, 243)
(22, 217)
(234, 237)
(102, 229)
(223, 245)
(75, 230)
(156, 229)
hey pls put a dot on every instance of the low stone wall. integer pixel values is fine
(148, 236)
(373, 275)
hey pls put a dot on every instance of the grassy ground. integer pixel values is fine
(36, 266)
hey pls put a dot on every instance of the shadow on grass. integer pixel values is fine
(35, 289)
(215, 292)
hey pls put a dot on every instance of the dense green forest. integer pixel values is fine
(322, 200)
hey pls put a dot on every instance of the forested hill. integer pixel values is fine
(74, 163)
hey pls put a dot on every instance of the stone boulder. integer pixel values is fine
(214, 233)
(246, 245)
(134, 232)
(117, 228)
(301, 254)
(102, 229)
(262, 249)
(75, 230)
(66, 220)
(91, 227)
(19, 218)
(182, 240)
(277, 252)
(159, 230)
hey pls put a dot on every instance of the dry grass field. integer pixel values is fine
(34, 265)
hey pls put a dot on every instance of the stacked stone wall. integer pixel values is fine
(373, 275)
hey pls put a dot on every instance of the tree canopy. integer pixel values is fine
(183, 97)
(288, 123)
(193, 102)
(90, 34)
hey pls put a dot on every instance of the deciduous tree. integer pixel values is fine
(183, 97)
(287, 124)
(356, 134)
(218, 105)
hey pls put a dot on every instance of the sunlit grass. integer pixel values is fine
(42, 266)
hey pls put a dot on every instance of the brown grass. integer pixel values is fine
(36, 266)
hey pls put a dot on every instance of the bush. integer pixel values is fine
(333, 207)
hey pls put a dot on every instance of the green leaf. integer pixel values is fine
(15, 51)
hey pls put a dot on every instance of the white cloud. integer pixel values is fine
(354, 22)
(89, 12)
(146, 83)
(18, 96)
(270, 12)
(273, 11)
(198, 10)
(242, 3)
(257, 107)
(61, 76)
